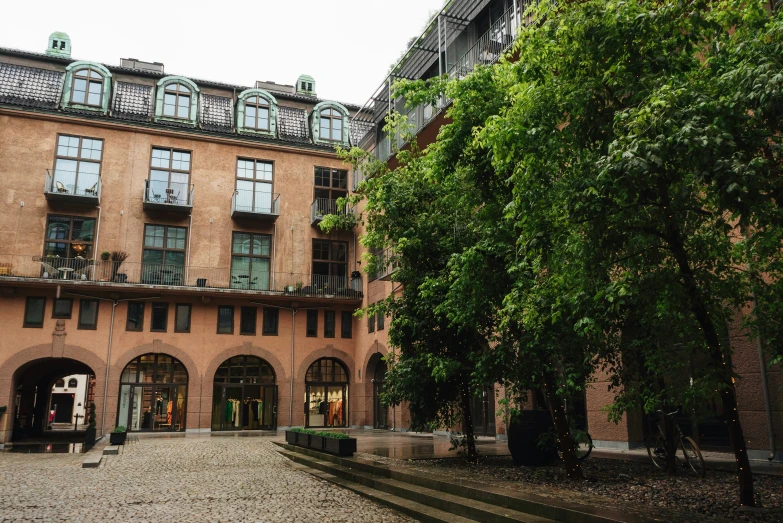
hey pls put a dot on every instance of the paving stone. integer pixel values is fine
(182, 479)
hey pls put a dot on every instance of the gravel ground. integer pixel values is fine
(178, 479)
(628, 486)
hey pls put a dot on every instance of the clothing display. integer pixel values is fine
(242, 413)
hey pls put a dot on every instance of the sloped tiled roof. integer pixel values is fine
(132, 101)
(30, 86)
(358, 129)
(292, 124)
(217, 113)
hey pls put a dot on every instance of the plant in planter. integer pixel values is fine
(332, 442)
(118, 435)
(105, 256)
(117, 257)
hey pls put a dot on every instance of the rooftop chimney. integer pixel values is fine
(305, 85)
(59, 45)
(133, 63)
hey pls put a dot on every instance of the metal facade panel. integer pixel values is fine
(30, 86)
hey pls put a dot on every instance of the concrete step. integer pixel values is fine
(487, 502)
(111, 450)
(418, 511)
(455, 506)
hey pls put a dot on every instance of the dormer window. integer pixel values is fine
(331, 125)
(87, 87)
(257, 113)
(176, 101)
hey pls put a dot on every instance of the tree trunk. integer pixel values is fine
(671, 445)
(467, 420)
(727, 393)
(564, 439)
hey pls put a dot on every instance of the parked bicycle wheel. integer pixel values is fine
(656, 448)
(693, 456)
(584, 445)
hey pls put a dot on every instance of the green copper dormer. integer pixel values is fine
(177, 100)
(305, 85)
(257, 113)
(59, 45)
(87, 87)
(329, 124)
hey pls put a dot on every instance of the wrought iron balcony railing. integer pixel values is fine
(168, 196)
(62, 185)
(324, 206)
(84, 271)
(259, 205)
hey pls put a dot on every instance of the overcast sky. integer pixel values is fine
(346, 45)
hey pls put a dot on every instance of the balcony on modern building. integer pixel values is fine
(324, 206)
(255, 205)
(168, 196)
(241, 278)
(463, 35)
(78, 188)
(385, 264)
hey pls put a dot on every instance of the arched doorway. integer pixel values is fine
(153, 394)
(244, 395)
(326, 396)
(380, 413)
(39, 403)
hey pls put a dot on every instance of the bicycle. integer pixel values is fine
(583, 443)
(656, 449)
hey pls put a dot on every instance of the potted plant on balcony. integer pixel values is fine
(117, 257)
(118, 435)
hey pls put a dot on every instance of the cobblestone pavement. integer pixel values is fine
(182, 479)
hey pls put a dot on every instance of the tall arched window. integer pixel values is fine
(331, 125)
(244, 396)
(153, 393)
(87, 88)
(176, 100)
(326, 396)
(257, 113)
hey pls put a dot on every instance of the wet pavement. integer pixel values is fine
(46, 448)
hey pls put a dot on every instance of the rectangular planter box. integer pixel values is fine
(303, 440)
(316, 442)
(341, 447)
(117, 438)
(290, 437)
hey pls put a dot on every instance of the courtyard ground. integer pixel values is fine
(177, 479)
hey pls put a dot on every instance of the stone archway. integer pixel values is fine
(35, 369)
(371, 360)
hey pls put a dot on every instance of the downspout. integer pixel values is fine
(108, 365)
(765, 390)
(95, 252)
(274, 252)
(190, 235)
(291, 399)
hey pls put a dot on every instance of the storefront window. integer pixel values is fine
(244, 396)
(153, 394)
(326, 397)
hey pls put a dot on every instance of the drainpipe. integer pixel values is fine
(274, 253)
(97, 237)
(765, 390)
(291, 399)
(190, 235)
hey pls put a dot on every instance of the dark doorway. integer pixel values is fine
(33, 382)
(482, 409)
(380, 412)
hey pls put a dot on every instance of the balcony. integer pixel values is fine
(258, 206)
(72, 187)
(96, 274)
(385, 264)
(168, 196)
(322, 207)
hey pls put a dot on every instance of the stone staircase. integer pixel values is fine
(435, 498)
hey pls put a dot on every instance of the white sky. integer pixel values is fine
(346, 45)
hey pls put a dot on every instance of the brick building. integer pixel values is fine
(232, 309)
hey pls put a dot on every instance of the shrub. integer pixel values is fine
(323, 434)
(119, 429)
